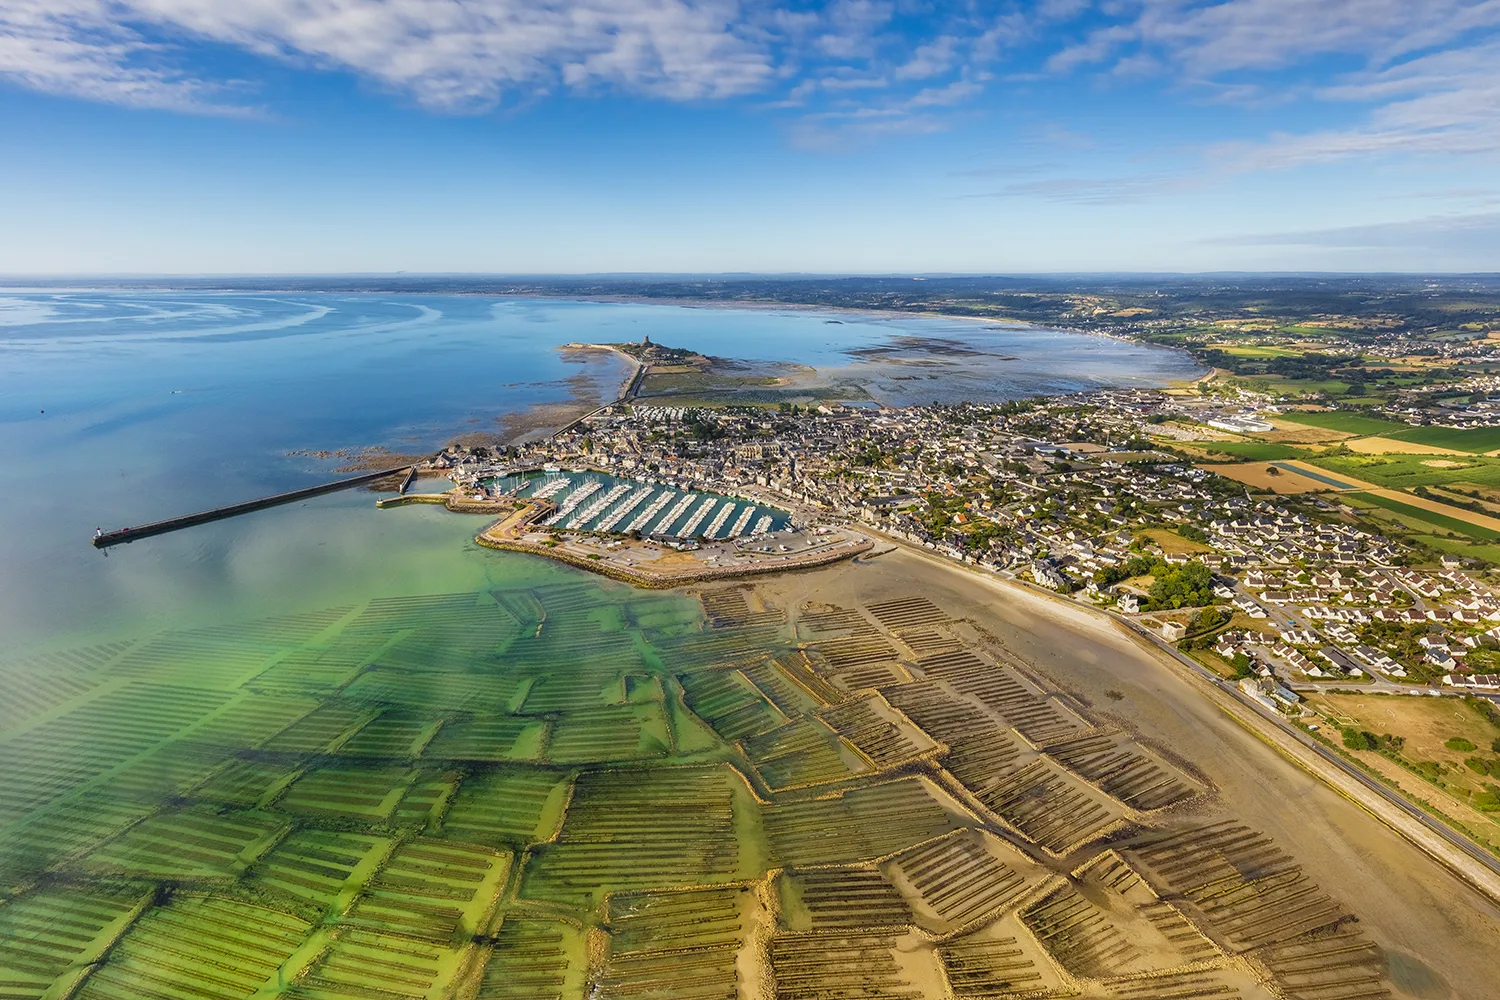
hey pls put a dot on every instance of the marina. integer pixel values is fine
(598, 502)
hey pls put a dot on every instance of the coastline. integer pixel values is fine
(799, 307)
(638, 577)
(1075, 617)
(1093, 668)
(686, 303)
(637, 367)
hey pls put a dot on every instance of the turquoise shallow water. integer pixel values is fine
(118, 407)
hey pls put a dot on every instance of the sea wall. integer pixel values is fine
(647, 580)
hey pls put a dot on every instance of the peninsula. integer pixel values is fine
(1118, 500)
(1063, 696)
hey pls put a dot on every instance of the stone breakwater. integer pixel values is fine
(452, 500)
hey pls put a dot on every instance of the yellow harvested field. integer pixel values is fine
(1426, 724)
(1342, 477)
(1475, 491)
(1173, 544)
(1287, 432)
(1390, 446)
(1256, 476)
(1412, 500)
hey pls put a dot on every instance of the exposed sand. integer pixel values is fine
(1438, 933)
(1442, 463)
(1390, 446)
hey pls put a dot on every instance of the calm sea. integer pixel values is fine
(124, 406)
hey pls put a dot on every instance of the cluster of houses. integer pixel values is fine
(1444, 613)
(1057, 491)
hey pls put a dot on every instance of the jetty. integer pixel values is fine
(105, 539)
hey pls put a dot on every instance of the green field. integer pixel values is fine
(1343, 420)
(1406, 471)
(1297, 386)
(1464, 548)
(1447, 523)
(1257, 351)
(1476, 440)
(1252, 451)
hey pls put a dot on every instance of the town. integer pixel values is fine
(1325, 556)
(1071, 494)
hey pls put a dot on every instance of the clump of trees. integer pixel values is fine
(701, 428)
(1189, 585)
(1206, 620)
(1363, 739)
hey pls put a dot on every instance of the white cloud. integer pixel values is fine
(1091, 190)
(1444, 103)
(1209, 39)
(930, 60)
(939, 97)
(1428, 70)
(1468, 233)
(76, 49)
(448, 54)
(464, 55)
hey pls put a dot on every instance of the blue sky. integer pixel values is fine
(543, 136)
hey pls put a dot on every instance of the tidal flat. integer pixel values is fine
(335, 752)
(887, 778)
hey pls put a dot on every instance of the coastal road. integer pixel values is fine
(1450, 837)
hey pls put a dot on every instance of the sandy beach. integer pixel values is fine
(1435, 932)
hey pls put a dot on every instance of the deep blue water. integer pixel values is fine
(118, 407)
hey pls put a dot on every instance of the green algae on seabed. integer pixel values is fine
(371, 780)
